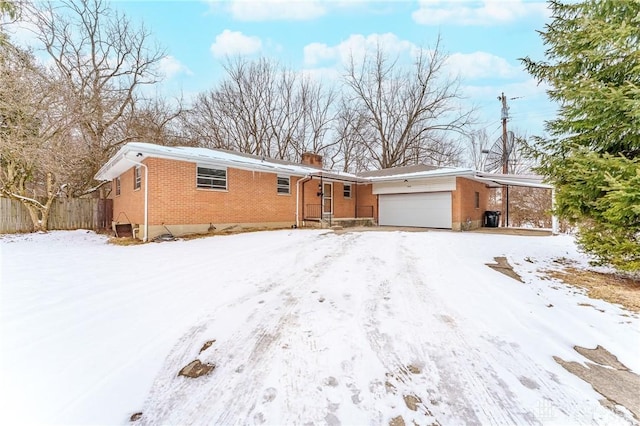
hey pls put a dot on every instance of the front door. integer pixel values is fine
(327, 198)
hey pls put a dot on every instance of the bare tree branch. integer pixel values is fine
(408, 110)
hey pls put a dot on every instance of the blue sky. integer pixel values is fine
(483, 38)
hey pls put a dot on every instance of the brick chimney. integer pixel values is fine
(311, 159)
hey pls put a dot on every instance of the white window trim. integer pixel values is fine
(212, 188)
(137, 178)
(350, 190)
(279, 186)
(118, 188)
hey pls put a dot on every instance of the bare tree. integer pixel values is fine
(262, 108)
(235, 115)
(157, 121)
(438, 151)
(316, 102)
(407, 109)
(347, 152)
(529, 207)
(35, 129)
(478, 148)
(104, 60)
(200, 124)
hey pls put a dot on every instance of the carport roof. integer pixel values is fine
(496, 180)
(493, 180)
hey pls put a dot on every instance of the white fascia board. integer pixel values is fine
(515, 182)
(118, 164)
(424, 175)
(330, 176)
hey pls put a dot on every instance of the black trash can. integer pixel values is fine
(491, 219)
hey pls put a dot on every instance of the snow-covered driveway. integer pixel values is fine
(310, 327)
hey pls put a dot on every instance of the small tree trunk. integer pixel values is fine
(35, 216)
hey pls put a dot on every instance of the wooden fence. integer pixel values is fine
(67, 213)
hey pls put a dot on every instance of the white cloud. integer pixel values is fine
(235, 43)
(318, 52)
(327, 75)
(170, 67)
(481, 65)
(486, 12)
(356, 46)
(276, 10)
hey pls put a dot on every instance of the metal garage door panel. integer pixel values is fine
(427, 210)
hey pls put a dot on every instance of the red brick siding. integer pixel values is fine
(463, 203)
(251, 197)
(128, 207)
(343, 207)
(309, 196)
(367, 198)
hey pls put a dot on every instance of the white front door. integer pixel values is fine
(327, 198)
(422, 209)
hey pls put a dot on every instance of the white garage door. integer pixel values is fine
(423, 209)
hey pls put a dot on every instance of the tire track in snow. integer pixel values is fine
(473, 367)
(469, 388)
(244, 359)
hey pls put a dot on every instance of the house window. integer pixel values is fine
(283, 185)
(117, 186)
(210, 178)
(137, 177)
(347, 190)
(477, 200)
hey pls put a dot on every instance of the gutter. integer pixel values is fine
(146, 196)
(420, 175)
(303, 180)
(176, 154)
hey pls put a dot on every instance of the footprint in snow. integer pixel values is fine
(269, 394)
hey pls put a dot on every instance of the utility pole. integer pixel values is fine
(505, 160)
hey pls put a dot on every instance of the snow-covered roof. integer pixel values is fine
(496, 180)
(134, 152)
(443, 172)
(398, 170)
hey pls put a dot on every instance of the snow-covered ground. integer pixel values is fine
(310, 327)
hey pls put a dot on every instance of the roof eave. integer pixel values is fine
(423, 175)
(148, 152)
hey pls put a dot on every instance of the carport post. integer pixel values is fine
(554, 218)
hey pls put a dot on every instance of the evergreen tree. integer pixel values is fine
(592, 154)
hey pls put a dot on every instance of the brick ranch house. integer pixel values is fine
(182, 190)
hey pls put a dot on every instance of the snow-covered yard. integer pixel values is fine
(309, 327)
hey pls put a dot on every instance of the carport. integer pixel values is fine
(494, 180)
(445, 198)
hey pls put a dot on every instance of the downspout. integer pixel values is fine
(146, 196)
(321, 200)
(300, 181)
(355, 187)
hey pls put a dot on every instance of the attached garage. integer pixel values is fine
(422, 209)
